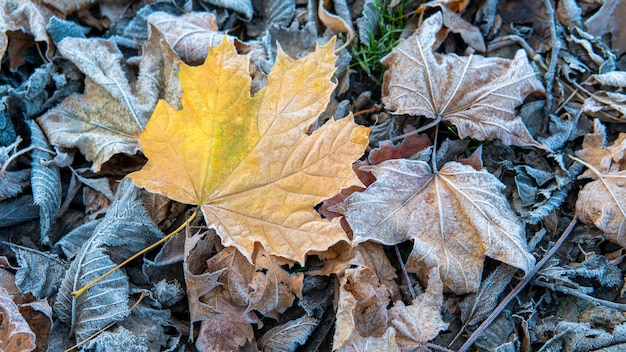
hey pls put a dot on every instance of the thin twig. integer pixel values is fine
(576, 293)
(554, 58)
(525, 280)
(406, 275)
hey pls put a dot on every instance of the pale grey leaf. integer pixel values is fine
(168, 293)
(103, 303)
(13, 182)
(244, 7)
(125, 229)
(100, 184)
(278, 12)
(17, 210)
(45, 181)
(70, 243)
(58, 29)
(478, 305)
(576, 336)
(367, 23)
(614, 79)
(141, 331)
(40, 273)
(287, 337)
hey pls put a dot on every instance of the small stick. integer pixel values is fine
(525, 280)
(554, 58)
(572, 292)
(406, 275)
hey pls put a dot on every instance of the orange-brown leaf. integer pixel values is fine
(247, 161)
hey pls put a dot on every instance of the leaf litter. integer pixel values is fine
(337, 214)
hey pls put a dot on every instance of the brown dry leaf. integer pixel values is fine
(189, 35)
(15, 334)
(421, 321)
(247, 161)
(107, 118)
(265, 286)
(602, 202)
(228, 330)
(357, 343)
(362, 308)
(455, 217)
(609, 19)
(477, 94)
(456, 24)
(21, 21)
(287, 336)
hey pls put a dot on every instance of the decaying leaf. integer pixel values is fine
(125, 229)
(107, 118)
(602, 202)
(189, 35)
(265, 286)
(476, 94)
(32, 263)
(45, 181)
(362, 307)
(21, 21)
(15, 334)
(455, 217)
(421, 321)
(247, 160)
(287, 337)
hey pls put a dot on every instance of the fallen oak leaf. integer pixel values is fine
(455, 217)
(476, 94)
(247, 160)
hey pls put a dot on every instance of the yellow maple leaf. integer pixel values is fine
(247, 161)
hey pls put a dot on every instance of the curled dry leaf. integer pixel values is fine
(15, 334)
(421, 321)
(476, 94)
(247, 161)
(455, 217)
(602, 202)
(362, 307)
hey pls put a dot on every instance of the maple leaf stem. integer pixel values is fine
(79, 292)
(523, 282)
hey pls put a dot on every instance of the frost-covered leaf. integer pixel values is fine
(17, 210)
(264, 286)
(19, 17)
(32, 264)
(244, 7)
(362, 306)
(15, 334)
(71, 242)
(477, 94)
(602, 202)
(455, 217)
(357, 343)
(288, 336)
(125, 229)
(189, 35)
(421, 321)
(257, 177)
(111, 112)
(142, 331)
(13, 182)
(45, 181)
